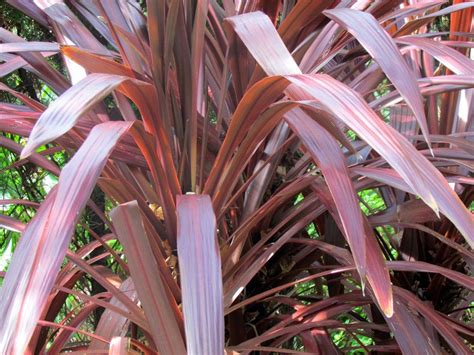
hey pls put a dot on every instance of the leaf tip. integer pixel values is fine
(26, 152)
(430, 148)
(388, 310)
(385, 302)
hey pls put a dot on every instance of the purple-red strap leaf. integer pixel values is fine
(197, 47)
(42, 248)
(271, 54)
(31, 10)
(274, 58)
(97, 64)
(450, 57)
(29, 47)
(201, 277)
(383, 49)
(34, 158)
(113, 324)
(160, 307)
(408, 331)
(121, 346)
(64, 112)
(431, 315)
(326, 152)
(11, 223)
(420, 175)
(420, 266)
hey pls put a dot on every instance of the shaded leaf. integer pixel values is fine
(160, 307)
(112, 324)
(447, 332)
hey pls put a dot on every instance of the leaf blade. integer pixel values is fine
(42, 248)
(201, 277)
(366, 29)
(160, 307)
(61, 116)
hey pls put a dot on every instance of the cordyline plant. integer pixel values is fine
(242, 145)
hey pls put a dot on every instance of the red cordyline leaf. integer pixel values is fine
(63, 114)
(44, 323)
(450, 57)
(419, 266)
(197, 81)
(420, 175)
(382, 48)
(413, 25)
(402, 120)
(29, 47)
(160, 307)
(275, 290)
(328, 155)
(19, 202)
(275, 59)
(97, 64)
(73, 322)
(408, 331)
(113, 324)
(348, 106)
(134, 312)
(302, 26)
(70, 31)
(32, 11)
(431, 315)
(11, 223)
(386, 176)
(156, 29)
(41, 67)
(42, 248)
(201, 278)
(121, 346)
(303, 13)
(34, 158)
(34, 105)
